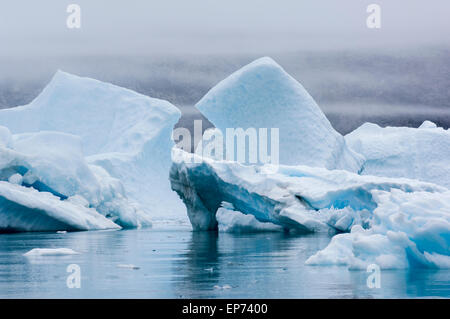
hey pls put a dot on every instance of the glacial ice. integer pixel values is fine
(46, 184)
(394, 212)
(27, 209)
(231, 221)
(113, 146)
(407, 222)
(420, 153)
(295, 196)
(90, 155)
(407, 230)
(263, 95)
(40, 252)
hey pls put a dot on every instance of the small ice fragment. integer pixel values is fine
(128, 266)
(15, 179)
(51, 252)
(222, 287)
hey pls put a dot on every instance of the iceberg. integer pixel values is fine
(262, 95)
(394, 222)
(46, 184)
(122, 141)
(408, 230)
(419, 153)
(26, 209)
(384, 191)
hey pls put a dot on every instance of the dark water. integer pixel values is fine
(178, 263)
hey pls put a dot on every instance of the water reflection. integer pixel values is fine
(183, 264)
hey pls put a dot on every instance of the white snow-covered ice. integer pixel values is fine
(96, 145)
(90, 155)
(263, 95)
(26, 209)
(408, 229)
(420, 153)
(394, 212)
(407, 222)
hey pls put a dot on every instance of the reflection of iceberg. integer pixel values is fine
(112, 149)
(387, 219)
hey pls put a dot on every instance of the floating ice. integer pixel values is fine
(395, 223)
(263, 95)
(26, 209)
(422, 153)
(128, 266)
(50, 252)
(295, 196)
(48, 168)
(232, 221)
(407, 230)
(125, 138)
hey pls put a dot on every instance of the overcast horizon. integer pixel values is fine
(202, 27)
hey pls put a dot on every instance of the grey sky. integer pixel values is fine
(206, 26)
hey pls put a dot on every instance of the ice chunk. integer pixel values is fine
(422, 153)
(428, 124)
(263, 95)
(53, 162)
(50, 252)
(56, 160)
(26, 209)
(345, 218)
(5, 137)
(407, 230)
(296, 197)
(128, 266)
(232, 221)
(126, 133)
(16, 179)
(395, 223)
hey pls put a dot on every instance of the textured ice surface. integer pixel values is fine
(294, 196)
(127, 134)
(421, 153)
(402, 222)
(50, 252)
(263, 95)
(26, 209)
(232, 221)
(407, 230)
(53, 163)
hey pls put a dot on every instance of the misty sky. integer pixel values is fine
(207, 26)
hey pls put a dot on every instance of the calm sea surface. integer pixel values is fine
(178, 263)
